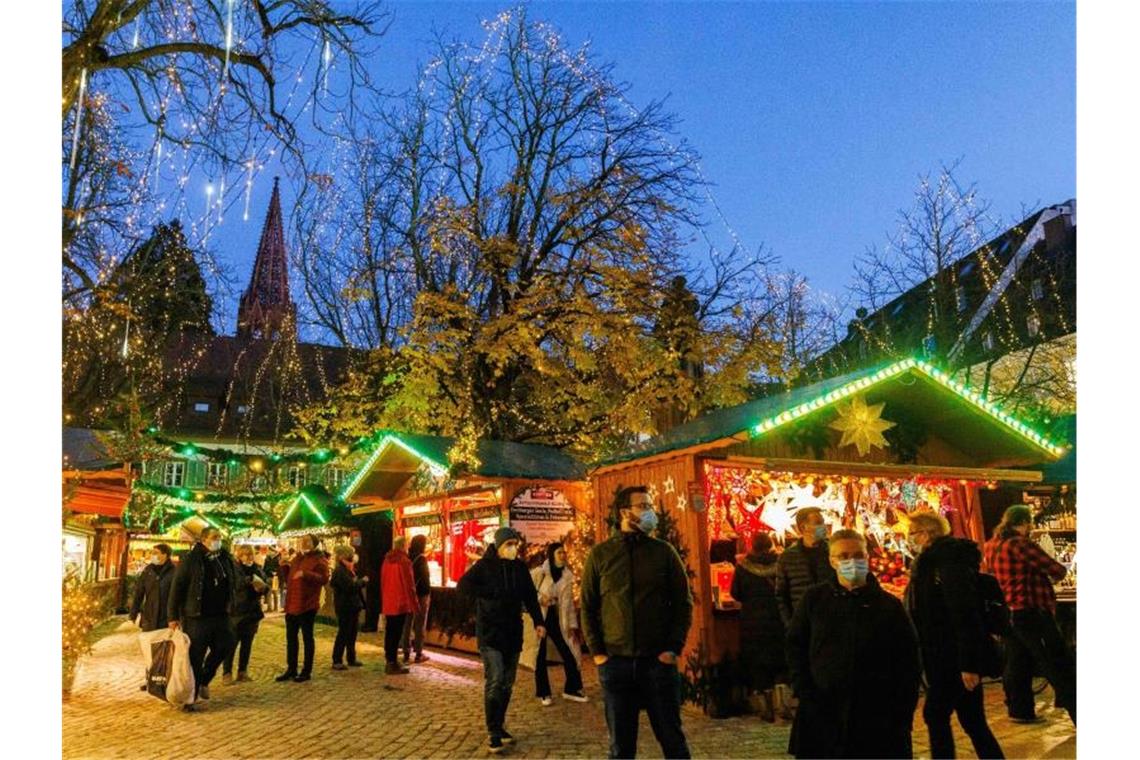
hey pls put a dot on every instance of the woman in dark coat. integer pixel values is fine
(761, 629)
(247, 614)
(152, 591)
(348, 602)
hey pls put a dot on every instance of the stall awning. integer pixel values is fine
(105, 499)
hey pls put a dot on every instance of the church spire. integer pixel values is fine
(266, 310)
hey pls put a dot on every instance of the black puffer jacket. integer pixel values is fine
(247, 605)
(422, 575)
(347, 596)
(152, 594)
(502, 588)
(186, 591)
(942, 599)
(761, 629)
(853, 661)
(799, 569)
(635, 597)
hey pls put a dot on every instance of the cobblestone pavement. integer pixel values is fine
(436, 711)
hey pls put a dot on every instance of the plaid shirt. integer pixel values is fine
(1026, 573)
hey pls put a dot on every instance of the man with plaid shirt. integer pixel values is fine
(1027, 574)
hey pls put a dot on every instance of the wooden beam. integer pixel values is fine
(688, 451)
(890, 470)
(431, 499)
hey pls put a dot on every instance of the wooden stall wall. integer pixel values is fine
(669, 481)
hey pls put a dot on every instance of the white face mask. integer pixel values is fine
(214, 545)
(156, 559)
(509, 552)
(355, 559)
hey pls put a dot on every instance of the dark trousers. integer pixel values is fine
(948, 695)
(211, 641)
(554, 635)
(302, 624)
(499, 670)
(415, 628)
(1036, 644)
(630, 683)
(347, 624)
(245, 633)
(393, 632)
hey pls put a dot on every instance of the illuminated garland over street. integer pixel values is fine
(212, 497)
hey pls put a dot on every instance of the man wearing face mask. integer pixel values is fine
(804, 563)
(152, 592)
(853, 661)
(247, 614)
(636, 612)
(501, 585)
(201, 601)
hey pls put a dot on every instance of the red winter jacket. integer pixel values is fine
(304, 594)
(397, 585)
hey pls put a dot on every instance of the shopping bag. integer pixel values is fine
(161, 665)
(180, 684)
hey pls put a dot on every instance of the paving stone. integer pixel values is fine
(435, 711)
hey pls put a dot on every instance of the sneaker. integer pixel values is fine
(143, 687)
(546, 701)
(575, 696)
(422, 658)
(507, 738)
(203, 692)
(288, 675)
(242, 676)
(300, 677)
(495, 745)
(339, 666)
(227, 679)
(356, 664)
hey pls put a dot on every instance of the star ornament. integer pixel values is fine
(861, 425)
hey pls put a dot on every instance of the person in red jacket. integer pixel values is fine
(398, 600)
(308, 574)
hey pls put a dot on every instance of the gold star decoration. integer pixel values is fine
(861, 425)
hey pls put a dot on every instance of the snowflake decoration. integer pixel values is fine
(670, 487)
(862, 425)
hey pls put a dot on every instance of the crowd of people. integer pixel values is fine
(822, 643)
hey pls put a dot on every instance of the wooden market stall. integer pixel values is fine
(536, 489)
(867, 448)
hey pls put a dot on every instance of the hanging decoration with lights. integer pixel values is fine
(861, 425)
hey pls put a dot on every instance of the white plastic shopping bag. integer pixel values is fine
(180, 687)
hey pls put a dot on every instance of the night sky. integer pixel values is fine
(813, 120)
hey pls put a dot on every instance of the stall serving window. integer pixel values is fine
(424, 521)
(469, 532)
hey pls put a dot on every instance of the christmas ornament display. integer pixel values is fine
(861, 425)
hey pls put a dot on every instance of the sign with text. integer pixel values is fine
(542, 515)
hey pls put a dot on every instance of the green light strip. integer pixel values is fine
(930, 371)
(365, 468)
(289, 512)
(313, 508)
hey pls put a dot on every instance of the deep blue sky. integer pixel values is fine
(814, 120)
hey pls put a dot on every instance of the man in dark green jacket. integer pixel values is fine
(636, 612)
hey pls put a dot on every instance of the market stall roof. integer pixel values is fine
(98, 497)
(398, 456)
(1064, 470)
(314, 507)
(963, 418)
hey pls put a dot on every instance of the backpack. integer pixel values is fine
(995, 612)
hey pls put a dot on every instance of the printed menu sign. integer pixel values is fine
(542, 515)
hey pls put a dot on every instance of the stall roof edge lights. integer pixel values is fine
(293, 508)
(942, 378)
(381, 447)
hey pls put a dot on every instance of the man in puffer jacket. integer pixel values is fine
(502, 587)
(636, 612)
(804, 563)
(942, 599)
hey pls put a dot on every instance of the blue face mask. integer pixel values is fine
(819, 532)
(648, 521)
(853, 570)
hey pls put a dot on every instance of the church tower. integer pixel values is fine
(266, 310)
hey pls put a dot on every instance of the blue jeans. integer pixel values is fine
(499, 669)
(632, 683)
